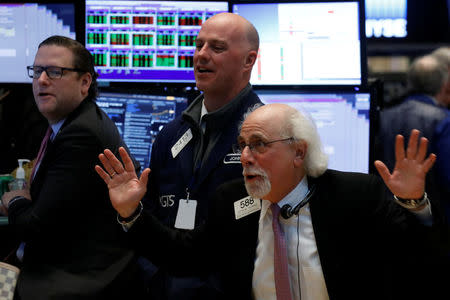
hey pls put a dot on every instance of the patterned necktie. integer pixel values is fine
(280, 261)
(41, 151)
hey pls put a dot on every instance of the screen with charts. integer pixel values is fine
(148, 41)
(139, 118)
(22, 27)
(308, 43)
(386, 19)
(342, 120)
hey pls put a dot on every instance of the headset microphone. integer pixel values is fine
(287, 211)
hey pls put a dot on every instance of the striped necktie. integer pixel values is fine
(41, 151)
(282, 285)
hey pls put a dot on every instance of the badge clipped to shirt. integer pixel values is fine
(186, 214)
(246, 206)
(181, 143)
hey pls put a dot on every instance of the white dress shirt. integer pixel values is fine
(305, 270)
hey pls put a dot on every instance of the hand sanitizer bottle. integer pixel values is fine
(19, 182)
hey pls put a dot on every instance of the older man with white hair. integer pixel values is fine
(291, 229)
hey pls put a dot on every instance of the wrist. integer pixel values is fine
(8, 203)
(132, 217)
(413, 204)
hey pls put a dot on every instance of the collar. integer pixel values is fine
(204, 110)
(218, 118)
(56, 127)
(293, 198)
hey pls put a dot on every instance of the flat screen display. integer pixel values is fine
(146, 41)
(140, 117)
(306, 43)
(22, 27)
(342, 120)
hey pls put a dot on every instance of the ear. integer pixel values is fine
(86, 80)
(250, 59)
(300, 153)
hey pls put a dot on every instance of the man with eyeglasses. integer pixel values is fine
(345, 237)
(72, 249)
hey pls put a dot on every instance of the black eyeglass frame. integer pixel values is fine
(239, 147)
(45, 69)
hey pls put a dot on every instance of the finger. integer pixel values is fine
(383, 171)
(429, 162)
(423, 146)
(411, 151)
(399, 148)
(144, 176)
(115, 163)
(105, 176)
(106, 164)
(129, 167)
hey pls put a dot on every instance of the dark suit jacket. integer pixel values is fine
(363, 239)
(74, 247)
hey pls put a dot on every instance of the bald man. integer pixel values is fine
(193, 154)
(343, 232)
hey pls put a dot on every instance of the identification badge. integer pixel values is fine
(232, 158)
(246, 206)
(181, 143)
(186, 214)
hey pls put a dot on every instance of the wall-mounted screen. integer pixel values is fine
(386, 18)
(146, 41)
(307, 43)
(22, 27)
(343, 122)
(139, 118)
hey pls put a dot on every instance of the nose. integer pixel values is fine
(43, 78)
(247, 157)
(202, 53)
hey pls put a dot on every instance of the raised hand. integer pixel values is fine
(125, 189)
(408, 177)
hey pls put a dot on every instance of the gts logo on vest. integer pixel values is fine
(167, 200)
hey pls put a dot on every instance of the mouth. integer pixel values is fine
(203, 70)
(251, 177)
(44, 94)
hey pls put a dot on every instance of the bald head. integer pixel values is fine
(247, 29)
(224, 57)
(443, 54)
(427, 75)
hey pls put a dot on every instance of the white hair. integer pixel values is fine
(301, 126)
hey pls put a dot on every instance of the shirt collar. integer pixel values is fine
(56, 127)
(293, 198)
(204, 110)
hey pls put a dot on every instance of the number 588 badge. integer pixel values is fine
(246, 206)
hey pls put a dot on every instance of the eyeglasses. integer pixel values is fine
(52, 72)
(257, 146)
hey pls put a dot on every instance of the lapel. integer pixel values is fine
(49, 155)
(323, 212)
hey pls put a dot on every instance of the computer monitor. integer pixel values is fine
(140, 117)
(343, 122)
(146, 41)
(386, 19)
(22, 27)
(307, 43)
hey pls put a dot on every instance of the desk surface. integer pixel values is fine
(3, 221)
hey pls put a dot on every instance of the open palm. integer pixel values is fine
(125, 189)
(408, 177)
